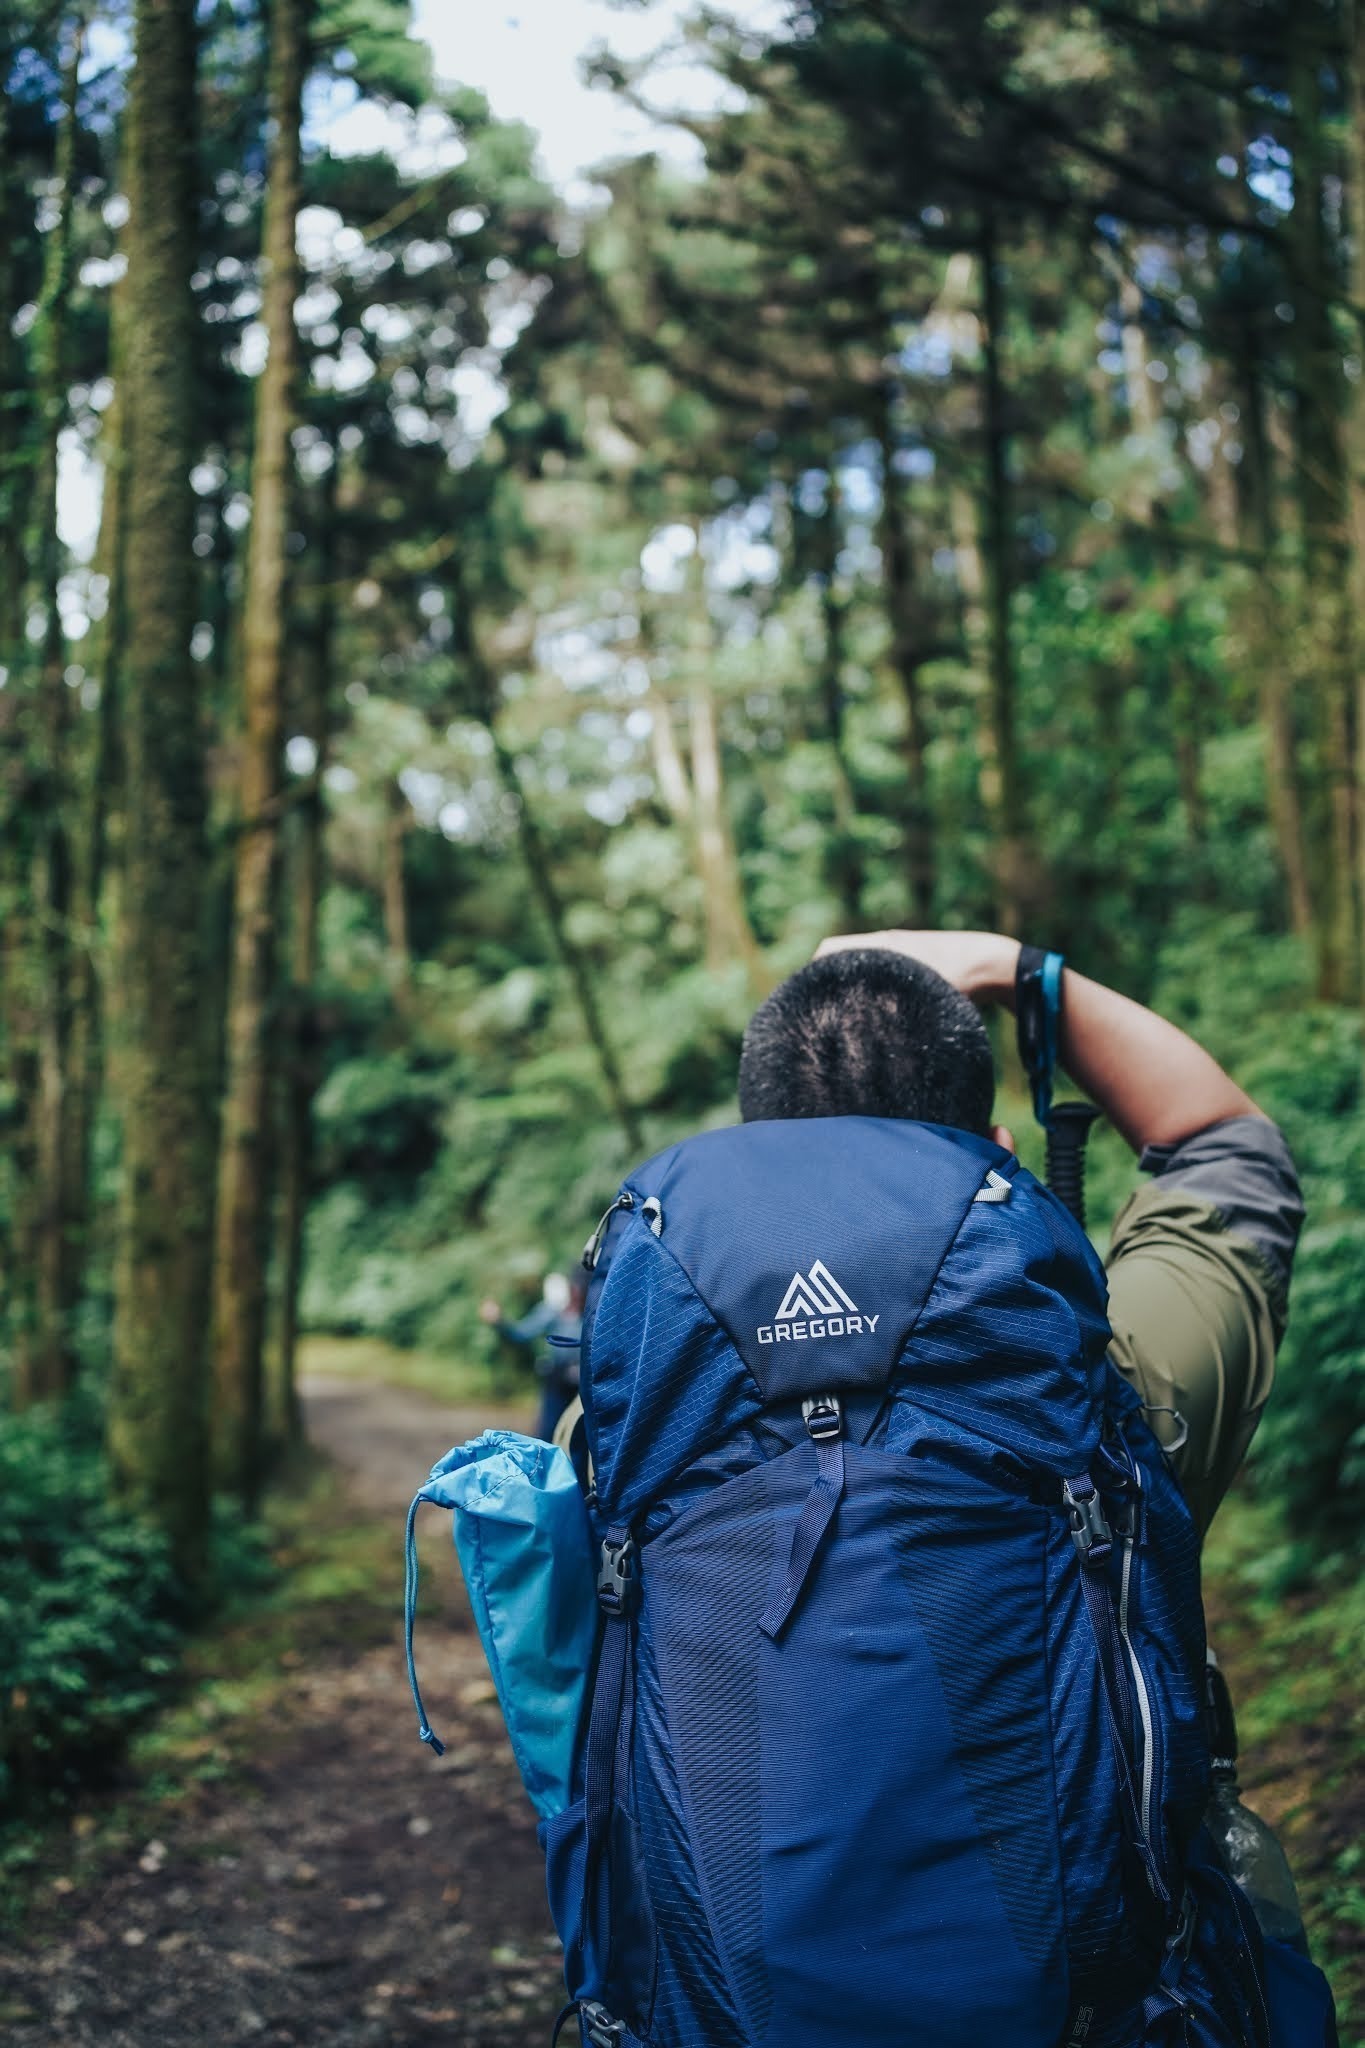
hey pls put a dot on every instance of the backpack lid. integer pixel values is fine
(843, 1255)
(812, 1223)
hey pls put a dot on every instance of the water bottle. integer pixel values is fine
(1248, 1847)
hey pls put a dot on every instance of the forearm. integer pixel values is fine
(1151, 1079)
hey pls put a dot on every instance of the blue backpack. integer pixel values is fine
(894, 1731)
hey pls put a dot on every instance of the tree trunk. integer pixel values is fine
(580, 977)
(1014, 862)
(1284, 795)
(300, 1063)
(844, 866)
(397, 941)
(484, 694)
(670, 770)
(158, 1434)
(728, 934)
(1355, 54)
(909, 651)
(92, 987)
(1187, 722)
(45, 1361)
(241, 1226)
(1325, 670)
(11, 385)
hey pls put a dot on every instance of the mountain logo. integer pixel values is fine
(815, 1305)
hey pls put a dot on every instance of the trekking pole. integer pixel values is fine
(1038, 1019)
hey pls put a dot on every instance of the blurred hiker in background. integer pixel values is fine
(552, 1331)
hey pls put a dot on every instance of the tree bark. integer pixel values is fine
(397, 941)
(483, 689)
(580, 977)
(670, 770)
(11, 385)
(243, 1205)
(1014, 862)
(1325, 630)
(728, 934)
(300, 1062)
(1284, 794)
(158, 1421)
(844, 866)
(44, 1358)
(1355, 57)
(92, 986)
(909, 652)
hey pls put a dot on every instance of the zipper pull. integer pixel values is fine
(592, 1250)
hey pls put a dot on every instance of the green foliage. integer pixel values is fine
(1310, 1452)
(90, 1612)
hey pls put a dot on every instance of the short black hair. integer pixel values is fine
(868, 1033)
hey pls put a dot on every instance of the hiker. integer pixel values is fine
(888, 1024)
(893, 1722)
(551, 1331)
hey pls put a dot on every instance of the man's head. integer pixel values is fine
(868, 1034)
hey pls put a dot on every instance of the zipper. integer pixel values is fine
(1144, 1703)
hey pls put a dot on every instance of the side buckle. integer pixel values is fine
(601, 2029)
(823, 1417)
(618, 1579)
(1090, 1532)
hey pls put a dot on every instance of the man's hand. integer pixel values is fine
(490, 1311)
(980, 964)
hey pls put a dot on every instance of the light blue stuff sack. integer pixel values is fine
(525, 1547)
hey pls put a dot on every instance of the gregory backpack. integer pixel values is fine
(892, 1736)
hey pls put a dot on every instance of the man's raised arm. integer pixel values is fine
(1199, 1260)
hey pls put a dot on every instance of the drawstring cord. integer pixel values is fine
(425, 1731)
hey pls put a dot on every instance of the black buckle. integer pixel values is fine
(618, 1578)
(601, 2029)
(1090, 1532)
(823, 1417)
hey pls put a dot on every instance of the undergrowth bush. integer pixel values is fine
(92, 1614)
(90, 1610)
(1310, 1451)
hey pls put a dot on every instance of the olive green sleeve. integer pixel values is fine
(1195, 1311)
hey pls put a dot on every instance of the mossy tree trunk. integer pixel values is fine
(158, 1413)
(300, 1064)
(1284, 792)
(1325, 672)
(44, 1356)
(910, 649)
(1014, 857)
(244, 1177)
(844, 864)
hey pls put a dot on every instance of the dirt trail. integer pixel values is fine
(354, 1892)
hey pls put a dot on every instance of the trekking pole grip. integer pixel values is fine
(1068, 1133)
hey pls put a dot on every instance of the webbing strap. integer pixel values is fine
(604, 1730)
(815, 1517)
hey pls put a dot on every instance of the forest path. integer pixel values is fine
(344, 1889)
